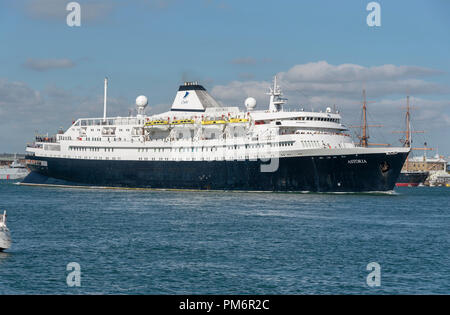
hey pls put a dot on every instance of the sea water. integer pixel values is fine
(187, 242)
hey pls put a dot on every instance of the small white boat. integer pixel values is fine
(5, 235)
(14, 171)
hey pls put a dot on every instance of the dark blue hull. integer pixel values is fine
(411, 179)
(357, 173)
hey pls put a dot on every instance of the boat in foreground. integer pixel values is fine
(14, 171)
(200, 144)
(5, 235)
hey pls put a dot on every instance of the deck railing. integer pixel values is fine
(45, 139)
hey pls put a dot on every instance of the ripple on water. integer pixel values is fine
(171, 242)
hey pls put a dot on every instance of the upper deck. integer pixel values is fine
(190, 128)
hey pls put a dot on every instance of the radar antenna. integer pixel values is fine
(276, 101)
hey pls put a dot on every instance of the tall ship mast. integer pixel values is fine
(201, 145)
(409, 177)
(364, 127)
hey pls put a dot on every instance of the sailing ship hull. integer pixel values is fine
(411, 179)
(327, 173)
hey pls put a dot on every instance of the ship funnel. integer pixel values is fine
(192, 97)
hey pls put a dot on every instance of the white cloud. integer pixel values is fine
(244, 61)
(24, 110)
(235, 92)
(16, 96)
(319, 84)
(323, 72)
(308, 81)
(48, 64)
(246, 76)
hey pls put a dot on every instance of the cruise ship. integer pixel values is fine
(202, 145)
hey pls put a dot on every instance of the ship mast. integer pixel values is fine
(408, 134)
(364, 137)
(104, 98)
(276, 101)
(408, 124)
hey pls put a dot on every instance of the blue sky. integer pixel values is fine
(51, 73)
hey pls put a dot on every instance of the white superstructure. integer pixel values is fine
(197, 128)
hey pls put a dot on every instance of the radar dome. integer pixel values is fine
(250, 103)
(141, 101)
